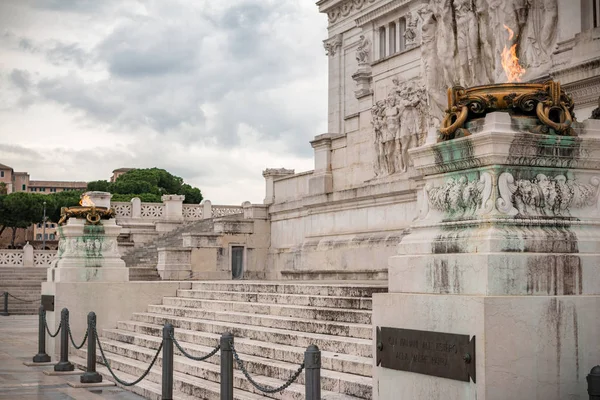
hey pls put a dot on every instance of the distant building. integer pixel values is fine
(20, 182)
(118, 172)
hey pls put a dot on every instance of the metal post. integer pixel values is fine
(312, 372)
(226, 366)
(5, 312)
(44, 229)
(41, 356)
(64, 364)
(593, 380)
(91, 376)
(167, 362)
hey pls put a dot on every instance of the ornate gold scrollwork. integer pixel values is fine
(547, 101)
(563, 127)
(92, 215)
(448, 127)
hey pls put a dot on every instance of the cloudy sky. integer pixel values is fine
(214, 91)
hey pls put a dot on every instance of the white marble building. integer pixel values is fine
(390, 64)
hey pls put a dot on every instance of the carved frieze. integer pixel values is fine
(345, 9)
(544, 196)
(460, 196)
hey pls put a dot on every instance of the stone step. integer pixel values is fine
(362, 303)
(191, 384)
(21, 269)
(317, 289)
(149, 323)
(316, 313)
(210, 370)
(198, 343)
(22, 283)
(346, 329)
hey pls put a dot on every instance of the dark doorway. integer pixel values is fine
(237, 262)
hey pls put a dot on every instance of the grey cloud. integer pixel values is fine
(63, 53)
(162, 73)
(21, 79)
(20, 151)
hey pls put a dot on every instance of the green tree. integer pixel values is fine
(149, 185)
(99, 186)
(20, 210)
(55, 201)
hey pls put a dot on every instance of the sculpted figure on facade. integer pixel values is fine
(398, 124)
(363, 52)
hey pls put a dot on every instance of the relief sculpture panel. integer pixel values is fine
(399, 124)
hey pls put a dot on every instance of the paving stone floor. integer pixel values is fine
(18, 343)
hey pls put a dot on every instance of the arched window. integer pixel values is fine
(402, 29)
(392, 35)
(382, 42)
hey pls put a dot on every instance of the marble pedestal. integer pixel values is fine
(88, 253)
(506, 248)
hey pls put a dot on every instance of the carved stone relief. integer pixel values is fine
(544, 196)
(462, 41)
(399, 123)
(461, 197)
(363, 51)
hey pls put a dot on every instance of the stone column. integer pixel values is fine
(136, 208)
(321, 181)
(28, 256)
(505, 251)
(270, 174)
(333, 47)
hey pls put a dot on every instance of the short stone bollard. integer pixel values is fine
(593, 380)
(167, 362)
(41, 356)
(312, 373)
(5, 308)
(226, 367)
(91, 376)
(64, 365)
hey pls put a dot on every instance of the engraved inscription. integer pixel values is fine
(432, 353)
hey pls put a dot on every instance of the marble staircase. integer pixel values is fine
(273, 323)
(142, 260)
(24, 283)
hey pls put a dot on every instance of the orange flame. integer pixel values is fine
(86, 201)
(510, 61)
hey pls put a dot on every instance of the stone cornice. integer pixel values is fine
(589, 64)
(378, 12)
(335, 10)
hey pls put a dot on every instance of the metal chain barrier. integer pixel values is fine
(48, 329)
(73, 342)
(265, 389)
(141, 378)
(191, 357)
(23, 300)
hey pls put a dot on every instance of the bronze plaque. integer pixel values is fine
(446, 355)
(48, 302)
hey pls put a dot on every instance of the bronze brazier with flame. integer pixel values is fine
(545, 101)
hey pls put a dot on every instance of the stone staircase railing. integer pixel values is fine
(26, 257)
(160, 211)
